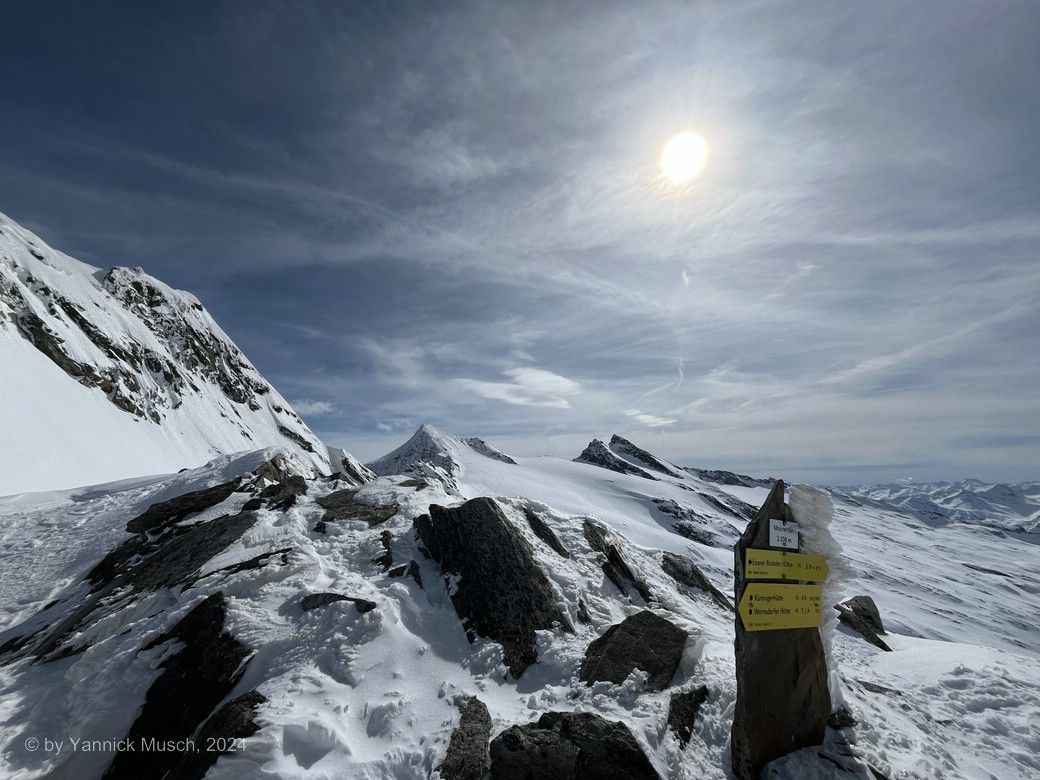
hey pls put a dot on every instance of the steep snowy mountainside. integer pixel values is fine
(114, 374)
(1008, 506)
(352, 660)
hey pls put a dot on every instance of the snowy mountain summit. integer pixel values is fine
(119, 375)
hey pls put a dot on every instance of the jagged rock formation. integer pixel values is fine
(721, 477)
(630, 451)
(318, 600)
(598, 454)
(500, 593)
(467, 757)
(342, 505)
(643, 641)
(569, 746)
(771, 720)
(545, 533)
(615, 566)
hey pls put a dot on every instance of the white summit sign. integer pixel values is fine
(783, 534)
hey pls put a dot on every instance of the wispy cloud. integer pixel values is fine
(527, 387)
(310, 408)
(650, 420)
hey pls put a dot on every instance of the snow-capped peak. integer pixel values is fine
(121, 374)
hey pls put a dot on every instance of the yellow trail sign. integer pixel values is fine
(780, 565)
(767, 606)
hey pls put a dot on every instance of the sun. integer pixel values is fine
(684, 157)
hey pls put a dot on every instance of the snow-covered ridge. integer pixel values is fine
(1011, 506)
(116, 360)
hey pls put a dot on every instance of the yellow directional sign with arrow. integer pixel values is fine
(781, 565)
(767, 606)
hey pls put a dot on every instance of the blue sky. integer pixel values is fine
(452, 213)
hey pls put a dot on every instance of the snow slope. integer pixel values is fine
(112, 374)
(373, 695)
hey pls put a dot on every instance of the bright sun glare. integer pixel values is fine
(684, 157)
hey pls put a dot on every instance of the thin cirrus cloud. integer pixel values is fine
(455, 216)
(526, 387)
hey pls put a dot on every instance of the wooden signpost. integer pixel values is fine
(782, 699)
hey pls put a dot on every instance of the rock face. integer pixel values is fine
(569, 746)
(500, 593)
(643, 641)
(629, 450)
(682, 712)
(782, 697)
(598, 454)
(282, 495)
(235, 720)
(467, 756)
(193, 681)
(861, 614)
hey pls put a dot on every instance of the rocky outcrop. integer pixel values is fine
(860, 613)
(282, 495)
(627, 449)
(499, 592)
(598, 454)
(318, 600)
(485, 449)
(682, 712)
(615, 566)
(701, 528)
(343, 505)
(467, 757)
(234, 721)
(569, 746)
(545, 533)
(686, 573)
(643, 641)
(728, 478)
(771, 719)
(193, 681)
(165, 513)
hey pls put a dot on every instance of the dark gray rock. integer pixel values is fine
(598, 454)
(682, 712)
(317, 600)
(385, 559)
(841, 718)
(252, 505)
(783, 701)
(728, 477)
(629, 450)
(341, 505)
(410, 569)
(704, 529)
(686, 573)
(569, 746)
(642, 641)
(545, 533)
(235, 720)
(166, 513)
(256, 562)
(467, 756)
(860, 613)
(615, 566)
(500, 593)
(282, 495)
(194, 679)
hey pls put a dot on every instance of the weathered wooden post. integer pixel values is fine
(782, 695)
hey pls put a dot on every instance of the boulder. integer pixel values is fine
(499, 592)
(861, 614)
(615, 567)
(341, 505)
(569, 746)
(682, 712)
(467, 756)
(642, 641)
(282, 495)
(783, 701)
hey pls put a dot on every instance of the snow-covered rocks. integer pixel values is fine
(644, 641)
